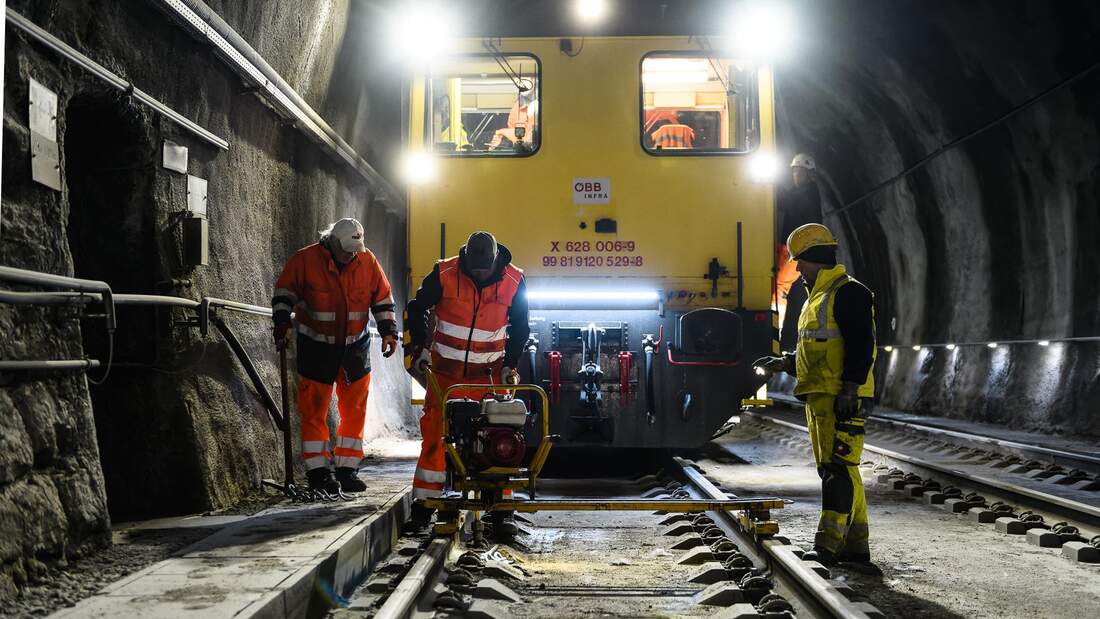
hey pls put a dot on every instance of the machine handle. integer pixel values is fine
(705, 364)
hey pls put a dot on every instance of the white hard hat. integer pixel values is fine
(802, 160)
(349, 233)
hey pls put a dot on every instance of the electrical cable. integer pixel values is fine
(110, 359)
(576, 53)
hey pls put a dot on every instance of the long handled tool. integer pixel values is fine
(288, 454)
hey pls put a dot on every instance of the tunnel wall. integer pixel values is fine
(994, 240)
(197, 436)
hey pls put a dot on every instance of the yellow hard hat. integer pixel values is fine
(809, 235)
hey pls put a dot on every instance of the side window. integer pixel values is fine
(698, 105)
(484, 105)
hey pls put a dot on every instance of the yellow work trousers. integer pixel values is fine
(838, 447)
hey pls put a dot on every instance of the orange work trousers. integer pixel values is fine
(351, 401)
(431, 469)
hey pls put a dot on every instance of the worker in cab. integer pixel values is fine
(479, 301)
(833, 365)
(333, 286)
(674, 136)
(797, 205)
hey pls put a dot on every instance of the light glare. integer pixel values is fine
(763, 31)
(1044, 342)
(419, 168)
(590, 11)
(992, 344)
(950, 347)
(916, 348)
(764, 167)
(592, 295)
(888, 348)
(421, 31)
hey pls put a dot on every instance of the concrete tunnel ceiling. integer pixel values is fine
(993, 240)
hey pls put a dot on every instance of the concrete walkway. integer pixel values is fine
(287, 561)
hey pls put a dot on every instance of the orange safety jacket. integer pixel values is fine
(471, 325)
(332, 307)
(674, 136)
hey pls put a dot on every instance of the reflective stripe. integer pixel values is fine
(283, 292)
(823, 309)
(358, 315)
(322, 316)
(819, 334)
(313, 335)
(455, 354)
(385, 316)
(316, 462)
(347, 442)
(348, 461)
(282, 307)
(479, 335)
(387, 301)
(314, 447)
(351, 339)
(425, 493)
(430, 476)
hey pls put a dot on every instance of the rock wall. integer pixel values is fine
(177, 426)
(993, 240)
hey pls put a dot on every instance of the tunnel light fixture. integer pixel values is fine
(419, 168)
(888, 348)
(763, 31)
(916, 348)
(1044, 342)
(592, 295)
(590, 11)
(992, 344)
(422, 30)
(950, 347)
(760, 371)
(764, 167)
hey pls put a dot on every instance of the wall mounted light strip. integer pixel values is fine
(993, 344)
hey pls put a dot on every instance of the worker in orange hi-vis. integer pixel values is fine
(333, 286)
(798, 205)
(480, 304)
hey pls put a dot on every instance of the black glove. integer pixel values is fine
(773, 365)
(847, 403)
(279, 333)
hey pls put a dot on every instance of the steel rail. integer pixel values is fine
(795, 574)
(1080, 512)
(402, 602)
(45, 38)
(1063, 455)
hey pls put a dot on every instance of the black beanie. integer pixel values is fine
(481, 251)
(822, 254)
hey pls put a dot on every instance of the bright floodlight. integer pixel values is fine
(421, 31)
(992, 344)
(761, 371)
(1044, 342)
(763, 30)
(916, 348)
(764, 167)
(592, 295)
(418, 168)
(950, 347)
(590, 11)
(888, 348)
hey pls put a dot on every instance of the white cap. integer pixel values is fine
(349, 232)
(802, 160)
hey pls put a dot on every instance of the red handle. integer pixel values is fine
(625, 358)
(555, 374)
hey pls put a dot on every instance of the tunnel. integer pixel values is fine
(675, 308)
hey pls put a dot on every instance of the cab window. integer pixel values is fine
(484, 105)
(698, 105)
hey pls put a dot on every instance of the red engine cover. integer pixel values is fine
(497, 446)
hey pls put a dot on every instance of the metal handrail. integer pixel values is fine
(49, 280)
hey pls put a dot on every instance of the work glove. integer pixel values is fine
(279, 333)
(847, 403)
(510, 376)
(389, 345)
(772, 365)
(422, 358)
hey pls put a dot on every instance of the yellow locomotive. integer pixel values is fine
(630, 178)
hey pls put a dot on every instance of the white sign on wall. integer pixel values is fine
(592, 190)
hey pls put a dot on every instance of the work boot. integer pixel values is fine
(321, 479)
(823, 556)
(349, 481)
(858, 562)
(420, 518)
(845, 556)
(504, 525)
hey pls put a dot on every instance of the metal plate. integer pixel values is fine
(45, 163)
(43, 111)
(174, 157)
(196, 195)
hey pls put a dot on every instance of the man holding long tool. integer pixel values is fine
(480, 304)
(834, 367)
(334, 285)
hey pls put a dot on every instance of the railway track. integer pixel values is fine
(704, 563)
(990, 480)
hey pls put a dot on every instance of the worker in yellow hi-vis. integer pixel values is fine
(834, 367)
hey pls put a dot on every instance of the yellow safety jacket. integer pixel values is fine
(819, 357)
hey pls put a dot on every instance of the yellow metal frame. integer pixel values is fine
(590, 117)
